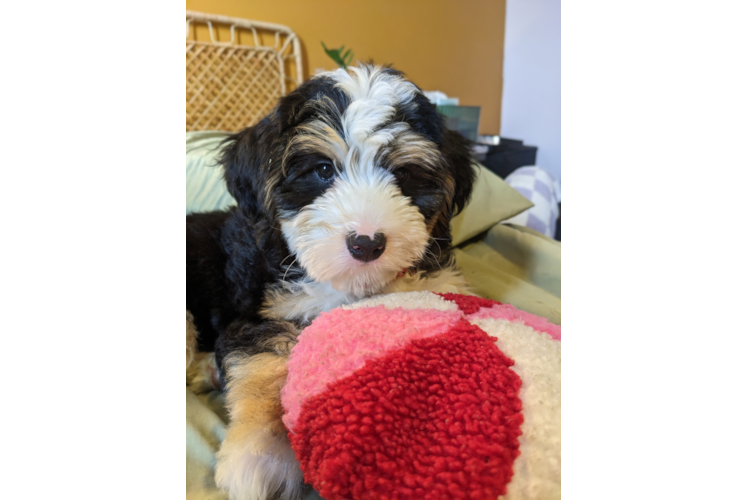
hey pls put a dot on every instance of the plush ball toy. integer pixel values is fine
(419, 395)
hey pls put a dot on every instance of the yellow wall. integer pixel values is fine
(456, 46)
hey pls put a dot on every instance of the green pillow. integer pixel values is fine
(492, 201)
(206, 189)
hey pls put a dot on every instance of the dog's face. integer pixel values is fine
(359, 173)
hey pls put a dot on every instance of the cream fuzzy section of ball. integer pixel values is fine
(537, 357)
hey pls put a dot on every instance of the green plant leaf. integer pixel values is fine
(335, 54)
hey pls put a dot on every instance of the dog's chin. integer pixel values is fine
(349, 276)
(363, 280)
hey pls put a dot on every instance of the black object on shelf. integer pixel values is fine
(508, 156)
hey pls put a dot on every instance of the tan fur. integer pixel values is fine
(202, 373)
(191, 339)
(256, 459)
(444, 215)
(431, 223)
(253, 395)
(318, 136)
(448, 280)
(282, 343)
(411, 147)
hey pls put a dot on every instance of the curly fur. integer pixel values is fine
(347, 153)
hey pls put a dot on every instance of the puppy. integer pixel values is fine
(344, 191)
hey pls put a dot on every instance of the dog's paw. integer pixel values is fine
(261, 466)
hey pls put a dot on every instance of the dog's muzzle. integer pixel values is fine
(364, 248)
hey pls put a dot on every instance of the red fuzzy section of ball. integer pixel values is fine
(438, 419)
(469, 304)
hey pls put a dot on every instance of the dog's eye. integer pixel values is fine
(325, 171)
(401, 174)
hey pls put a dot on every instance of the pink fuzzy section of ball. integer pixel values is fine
(340, 342)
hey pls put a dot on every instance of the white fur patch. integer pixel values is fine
(374, 95)
(407, 300)
(260, 465)
(303, 300)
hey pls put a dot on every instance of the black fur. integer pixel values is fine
(233, 257)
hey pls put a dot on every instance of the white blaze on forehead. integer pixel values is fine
(374, 95)
(358, 138)
(365, 154)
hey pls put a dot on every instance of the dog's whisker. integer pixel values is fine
(284, 260)
(289, 267)
(429, 252)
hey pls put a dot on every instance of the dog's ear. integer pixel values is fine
(246, 159)
(252, 158)
(456, 150)
(425, 119)
(429, 121)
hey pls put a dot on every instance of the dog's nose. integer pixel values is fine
(364, 248)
